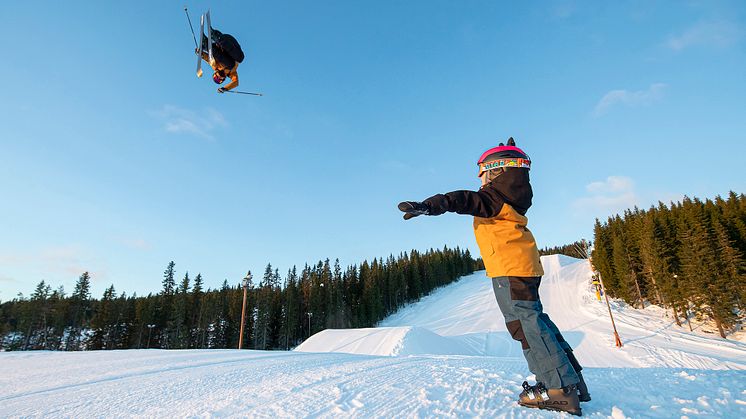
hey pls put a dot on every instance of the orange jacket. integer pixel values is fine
(507, 246)
(499, 208)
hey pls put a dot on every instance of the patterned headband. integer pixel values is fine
(507, 162)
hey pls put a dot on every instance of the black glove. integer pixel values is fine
(222, 90)
(413, 209)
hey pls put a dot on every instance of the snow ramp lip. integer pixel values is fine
(385, 341)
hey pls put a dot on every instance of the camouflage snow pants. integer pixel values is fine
(548, 355)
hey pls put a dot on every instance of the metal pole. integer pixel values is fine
(190, 27)
(150, 329)
(244, 93)
(245, 284)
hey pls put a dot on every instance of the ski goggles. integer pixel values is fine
(499, 163)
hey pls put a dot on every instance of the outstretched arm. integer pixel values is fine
(233, 75)
(484, 203)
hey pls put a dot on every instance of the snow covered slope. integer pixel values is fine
(466, 316)
(446, 356)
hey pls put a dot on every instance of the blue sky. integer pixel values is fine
(116, 159)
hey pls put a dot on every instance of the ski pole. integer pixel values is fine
(244, 93)
(190, 27)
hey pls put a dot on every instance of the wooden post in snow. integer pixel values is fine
(246, 281)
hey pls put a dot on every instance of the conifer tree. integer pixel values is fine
(290, 324)
(263, 310)
(180, 314)
(79, 311)
(196, 326)
(104, 321)
(166, 307)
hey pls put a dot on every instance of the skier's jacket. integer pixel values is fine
(228, 44)
(499, 208)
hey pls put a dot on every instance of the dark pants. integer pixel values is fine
(548, 355)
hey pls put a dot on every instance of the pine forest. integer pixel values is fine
(687, 257)
(281, 311)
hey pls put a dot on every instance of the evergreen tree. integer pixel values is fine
(166, 307)
(181, 314)
(79, 311)
(196, 322)
(263, 310)
(103, 322)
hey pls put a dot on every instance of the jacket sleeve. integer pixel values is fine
(484, 203)
(233, 75)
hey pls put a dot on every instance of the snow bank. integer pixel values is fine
(384, 341)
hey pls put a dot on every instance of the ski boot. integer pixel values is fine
(583, 394)
(563, 399)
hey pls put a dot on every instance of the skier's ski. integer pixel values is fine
(199, 49)
(209, 37)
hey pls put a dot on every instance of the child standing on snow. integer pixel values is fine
(512, 261)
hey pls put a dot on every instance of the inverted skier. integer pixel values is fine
(511, 258)
(226, 54)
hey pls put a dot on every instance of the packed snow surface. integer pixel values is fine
(448, 355)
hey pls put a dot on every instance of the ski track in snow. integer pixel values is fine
(231, 383)
(448, 355)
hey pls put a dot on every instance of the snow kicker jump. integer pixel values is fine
(221, 51)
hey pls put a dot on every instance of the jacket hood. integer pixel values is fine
(514, 186)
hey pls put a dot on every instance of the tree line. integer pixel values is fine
(578, 249)
(688, 257)
(281, 311)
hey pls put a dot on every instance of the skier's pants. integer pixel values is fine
(545, 349)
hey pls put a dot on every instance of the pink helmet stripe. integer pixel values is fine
(498, 149)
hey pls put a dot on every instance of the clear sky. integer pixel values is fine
(116, 159)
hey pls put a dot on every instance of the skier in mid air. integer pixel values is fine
(511, 258)
(226, 54)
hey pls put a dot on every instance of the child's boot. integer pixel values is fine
(563, 399)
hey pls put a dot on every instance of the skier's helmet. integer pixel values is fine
(218, 77)
(503, 157)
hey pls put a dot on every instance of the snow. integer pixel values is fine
(466, 314)
(448, 355)
(385, 341)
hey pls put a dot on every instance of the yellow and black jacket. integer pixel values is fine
(499, 208)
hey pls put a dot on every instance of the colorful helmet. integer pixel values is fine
(218, 78)
(503, 156)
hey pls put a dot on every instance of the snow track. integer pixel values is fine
(260, 384)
